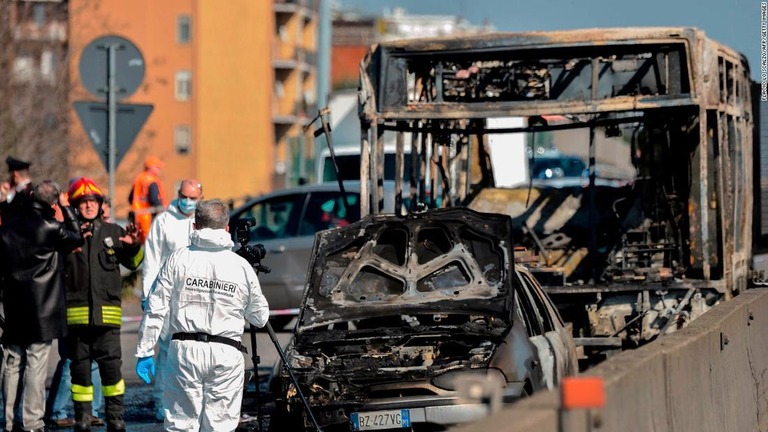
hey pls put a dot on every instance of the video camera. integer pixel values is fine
(253, 254)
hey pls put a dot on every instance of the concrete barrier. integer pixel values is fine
(709, 376)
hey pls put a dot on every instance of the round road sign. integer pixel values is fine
(94, 66)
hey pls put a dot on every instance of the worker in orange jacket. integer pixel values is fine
(147, 197)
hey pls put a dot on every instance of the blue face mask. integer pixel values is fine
(187, 205)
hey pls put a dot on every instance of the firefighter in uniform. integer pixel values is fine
(147, 197)
(93, 304)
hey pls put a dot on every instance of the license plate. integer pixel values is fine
(374, 420)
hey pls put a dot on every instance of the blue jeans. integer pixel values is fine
(60, 395)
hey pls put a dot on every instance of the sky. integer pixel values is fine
(735, 23)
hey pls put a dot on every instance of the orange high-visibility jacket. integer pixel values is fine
(143, 210)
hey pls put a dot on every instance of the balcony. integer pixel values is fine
(307, 8)
(303, 59)
(301, 113)
(54, 32)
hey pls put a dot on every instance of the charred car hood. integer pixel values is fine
(452, 259)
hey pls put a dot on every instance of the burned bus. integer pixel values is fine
(623, 157)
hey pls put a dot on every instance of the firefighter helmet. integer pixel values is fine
(84, 187)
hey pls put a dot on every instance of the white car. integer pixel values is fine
(423, 319)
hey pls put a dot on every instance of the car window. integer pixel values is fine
(528, 308)
(540, 302)
(326, 210)
(556, 167)
(275, 217)
(349, 167)
(524, 317)
(554, 314)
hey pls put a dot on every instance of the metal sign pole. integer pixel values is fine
(111, 69)
(112, 117)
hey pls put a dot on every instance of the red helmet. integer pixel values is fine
(84, 187)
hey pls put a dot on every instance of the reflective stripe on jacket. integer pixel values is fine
(94, 284)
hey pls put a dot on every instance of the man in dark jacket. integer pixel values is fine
(31, 267)
(17, 191)
(93, 304)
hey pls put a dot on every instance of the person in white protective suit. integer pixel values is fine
(170, 231)
(204, 291)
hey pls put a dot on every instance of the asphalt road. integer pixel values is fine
(138, 398)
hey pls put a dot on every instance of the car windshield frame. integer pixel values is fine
(326, 300)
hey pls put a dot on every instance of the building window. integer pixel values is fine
(183, 85)
(39, 14)
(48, 64)
(182, 138)
(23, 69)
(279, 89)
(183, 29)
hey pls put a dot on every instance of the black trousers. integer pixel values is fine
(101, 344)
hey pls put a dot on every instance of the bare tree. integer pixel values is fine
(34, 87)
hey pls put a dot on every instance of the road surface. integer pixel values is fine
(138, 398)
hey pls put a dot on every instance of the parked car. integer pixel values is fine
(419, 320)
(286, 223)
(552, 166)
(348, 162)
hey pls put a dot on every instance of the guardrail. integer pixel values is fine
(709, 376)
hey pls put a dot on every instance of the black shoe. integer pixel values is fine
(115, 426)
(82, 427)
(82, 417)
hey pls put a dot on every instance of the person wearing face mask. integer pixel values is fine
(169, 231)
(94, 308)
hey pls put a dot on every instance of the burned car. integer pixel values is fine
(423, 319)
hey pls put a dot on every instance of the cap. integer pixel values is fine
(16, 164)
(153, 161)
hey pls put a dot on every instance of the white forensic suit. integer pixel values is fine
(204, 290)
(170, 230)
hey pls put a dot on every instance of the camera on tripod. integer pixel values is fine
(253, 254)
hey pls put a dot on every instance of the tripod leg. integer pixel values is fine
(256, 360)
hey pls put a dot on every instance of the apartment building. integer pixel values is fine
(229, 83)
(295, 89)
(232, 85)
